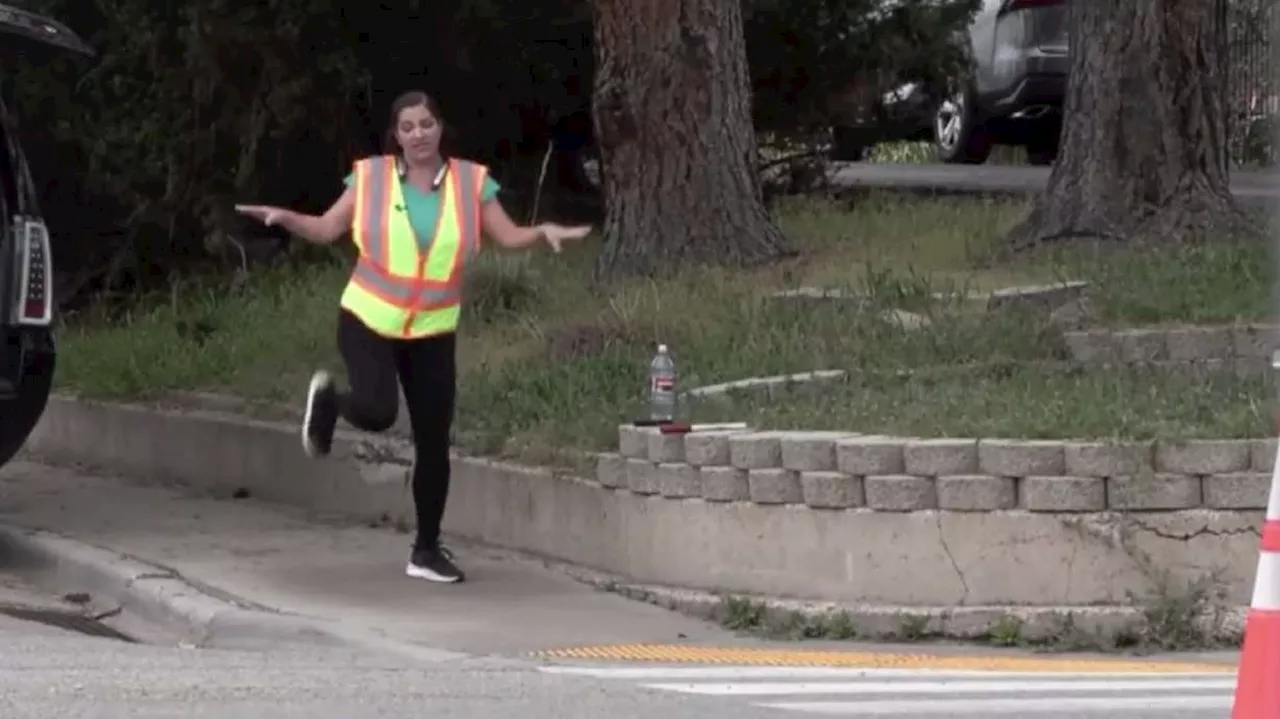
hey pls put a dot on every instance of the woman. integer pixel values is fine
(416, 219)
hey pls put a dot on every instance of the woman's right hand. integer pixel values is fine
(266, 214)
(555, 235)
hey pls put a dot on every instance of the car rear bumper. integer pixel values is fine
(1043, 82)
(1040, 90)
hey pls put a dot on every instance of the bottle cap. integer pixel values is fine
(662, 348)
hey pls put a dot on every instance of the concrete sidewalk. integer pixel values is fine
(280, 558)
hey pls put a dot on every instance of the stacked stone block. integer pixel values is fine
(842, 471)
(1245, 348)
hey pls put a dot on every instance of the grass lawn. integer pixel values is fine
(1014, 400)
(546, 362)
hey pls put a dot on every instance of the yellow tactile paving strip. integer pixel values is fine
(756, 656)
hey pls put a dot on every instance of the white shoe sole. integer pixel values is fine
(417, 572)
(319, 381)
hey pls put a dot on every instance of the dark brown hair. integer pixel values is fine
(413, 98)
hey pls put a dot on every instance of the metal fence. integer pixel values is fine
(1248, 30)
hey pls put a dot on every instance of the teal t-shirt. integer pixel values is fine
(423, 208)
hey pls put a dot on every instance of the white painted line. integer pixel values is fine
(955, 687)
(1056, 706)
(756, 672)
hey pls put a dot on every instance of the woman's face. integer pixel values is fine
(418, 132)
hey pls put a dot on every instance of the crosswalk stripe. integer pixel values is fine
(959, 687)
(1056, 705)
(756, 672)
(923, 692)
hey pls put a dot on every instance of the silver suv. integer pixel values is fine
(27, 350)
(1015, 92)
(1012, 94)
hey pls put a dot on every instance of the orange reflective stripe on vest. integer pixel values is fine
(396, 288)
(402, 293)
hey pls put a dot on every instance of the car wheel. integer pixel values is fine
(957, 134)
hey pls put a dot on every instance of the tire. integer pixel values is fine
(21, 411)
(958, 134)
(1042, 151)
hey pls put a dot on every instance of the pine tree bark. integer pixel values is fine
(672, 112)
(1142, 158)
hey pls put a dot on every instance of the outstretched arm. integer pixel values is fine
(499, 226)
(323, 229)
(317, 229)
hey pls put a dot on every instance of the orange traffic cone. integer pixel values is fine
(1258, 685)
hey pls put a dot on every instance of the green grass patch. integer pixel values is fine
(546, 361)
(1015, 400)
(1201, 284)
(926, 153)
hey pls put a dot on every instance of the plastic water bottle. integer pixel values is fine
(662, 386)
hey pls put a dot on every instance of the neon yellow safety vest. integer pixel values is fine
(396, 289)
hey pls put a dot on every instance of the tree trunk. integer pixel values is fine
(1144, 133)
(677, 149)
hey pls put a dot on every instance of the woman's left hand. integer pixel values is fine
(556, 235)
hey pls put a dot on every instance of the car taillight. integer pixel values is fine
(33, 270)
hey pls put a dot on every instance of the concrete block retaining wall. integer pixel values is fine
(859, 520)
(1244, 348)
(830, 470)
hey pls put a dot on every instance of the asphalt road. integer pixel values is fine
(47, 671)
(1250, 187)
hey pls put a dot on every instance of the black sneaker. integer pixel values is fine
(321, 418)
(434, 565)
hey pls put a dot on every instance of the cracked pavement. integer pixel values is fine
(946, 548)
(1205, 531)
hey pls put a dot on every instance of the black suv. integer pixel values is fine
(27, 349)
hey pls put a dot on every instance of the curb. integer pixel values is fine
(878, 622)
(907, 624)
(134, 592)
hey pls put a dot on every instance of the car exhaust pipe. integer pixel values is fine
(1034, 112)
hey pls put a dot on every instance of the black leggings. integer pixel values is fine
(426, 369)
